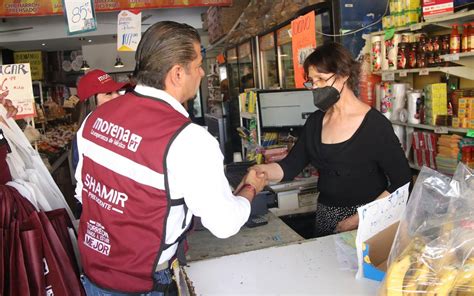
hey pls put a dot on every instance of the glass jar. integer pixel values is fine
(445, 44)
(436, 44)
(412, 55)
(429, 44)
(421, 60)
(429, 59)
(402, 56)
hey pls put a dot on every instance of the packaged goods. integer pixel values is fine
(391, 50)
(433, 251)
(376, 53)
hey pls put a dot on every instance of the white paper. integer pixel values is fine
(80, 16)
(129, 30)
(16, 85)
(378, 215)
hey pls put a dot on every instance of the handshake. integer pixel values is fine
(256, 179)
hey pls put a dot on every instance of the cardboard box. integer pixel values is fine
(375, 252)
(434, 8)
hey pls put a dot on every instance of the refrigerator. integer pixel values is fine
(349, 15)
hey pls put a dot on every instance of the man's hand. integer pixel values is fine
(253, 180)
(348, 224)
(11, 110)
(256, 179)
(272, 171)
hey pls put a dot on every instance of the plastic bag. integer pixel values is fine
(433, 250)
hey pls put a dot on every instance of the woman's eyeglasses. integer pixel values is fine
(310, 84)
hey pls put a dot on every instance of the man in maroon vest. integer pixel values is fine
(144, 170)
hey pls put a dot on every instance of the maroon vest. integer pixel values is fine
(125, 192)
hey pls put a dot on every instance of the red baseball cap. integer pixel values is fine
(97, 82)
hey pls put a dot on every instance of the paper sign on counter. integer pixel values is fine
(378, 215)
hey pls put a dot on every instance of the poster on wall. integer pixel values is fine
(34, 58)
(129, 30)
(16, 85)
(303, 43)
(10, 8)
(80, 16)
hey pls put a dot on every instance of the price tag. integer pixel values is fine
(80, 16)
(424, 72)
(416, 27)
(388, 76)
(451, 57)
(441, 130)
(470, 133)
(403, 73)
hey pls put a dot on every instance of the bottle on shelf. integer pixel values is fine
(470, 38)
(454, 40)
(465, 37)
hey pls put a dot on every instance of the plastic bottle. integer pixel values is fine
(454, 40)
(465, 37)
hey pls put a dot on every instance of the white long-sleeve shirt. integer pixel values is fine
(195, 172)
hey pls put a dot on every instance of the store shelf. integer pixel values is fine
(464, 58)
(431, 127)
(248, 115)
(443, 21)
(459, 71)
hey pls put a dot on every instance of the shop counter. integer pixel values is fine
(204, 245)
(270, 260)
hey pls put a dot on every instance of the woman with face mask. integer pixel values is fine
(353, 146)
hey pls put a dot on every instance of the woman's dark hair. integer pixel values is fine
(162, 46)
(332, 57)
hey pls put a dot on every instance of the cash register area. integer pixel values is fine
(278, 240)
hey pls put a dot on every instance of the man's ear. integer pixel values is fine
(176, 74)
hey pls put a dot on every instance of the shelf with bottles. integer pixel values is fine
(402, 53)
(432, 24)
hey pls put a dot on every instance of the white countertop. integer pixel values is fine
(301, 268)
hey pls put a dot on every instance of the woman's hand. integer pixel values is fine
(348, 224)
(273, 171)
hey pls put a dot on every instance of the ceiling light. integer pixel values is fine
(43, 44)
(90, 40)
(85, 66)
(118, 63)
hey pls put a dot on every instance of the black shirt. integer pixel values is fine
(355, 171)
